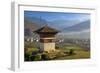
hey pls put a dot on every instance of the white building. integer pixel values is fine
(47, 38)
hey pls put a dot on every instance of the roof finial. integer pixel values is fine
(41, 21)
(46, 24)
(40, 18)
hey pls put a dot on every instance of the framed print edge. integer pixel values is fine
(16, 35)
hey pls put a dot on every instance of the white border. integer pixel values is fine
(18, 37)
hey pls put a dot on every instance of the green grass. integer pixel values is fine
(79, 53)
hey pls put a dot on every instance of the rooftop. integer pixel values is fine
(46, 29)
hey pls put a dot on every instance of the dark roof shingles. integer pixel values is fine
(46, 29)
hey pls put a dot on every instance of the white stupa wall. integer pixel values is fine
(47, 47)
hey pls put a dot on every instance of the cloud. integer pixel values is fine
(75, 35)
(78, 32)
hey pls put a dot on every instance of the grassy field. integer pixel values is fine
(78, 53)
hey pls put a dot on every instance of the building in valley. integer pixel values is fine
(47, 38)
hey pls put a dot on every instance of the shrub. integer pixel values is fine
(27, 57)
(57, 47)
(32, 58)
(36, 57)
(45, 57)
(71, 51)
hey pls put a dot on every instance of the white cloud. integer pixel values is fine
(78, 32)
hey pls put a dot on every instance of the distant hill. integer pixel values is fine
(61, 24)
(75, 35)
(81, 30)
(38, 21)
(78, 27)
(31, 24)
(29, 27)
(28, 24)
(69, 29)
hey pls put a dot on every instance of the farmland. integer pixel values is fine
(65, 50)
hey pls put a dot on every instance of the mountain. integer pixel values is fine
(81, 30)
(68, 28)
(31, 24)
(61, 24)
(29, 27)
(85, 34)
(78, 27)
(38, 21)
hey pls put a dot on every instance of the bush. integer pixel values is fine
(71, 51)
(32, 58)
(57, 47)
(45, 57)
(27, 57)
(36, 57)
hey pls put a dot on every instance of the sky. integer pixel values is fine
(52, 16)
